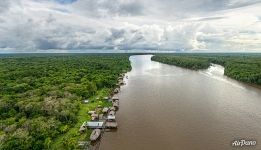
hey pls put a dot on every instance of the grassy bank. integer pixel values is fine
(242, 67)
(41, 97)
(70, 139)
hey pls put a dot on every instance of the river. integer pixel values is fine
(168, 107)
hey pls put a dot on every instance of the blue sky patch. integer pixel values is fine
(65, 1)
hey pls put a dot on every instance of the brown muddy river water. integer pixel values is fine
(171, 108)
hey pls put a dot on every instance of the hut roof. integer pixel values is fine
(111, 117)
(115, 98)
(115, 105)
(112, 113)
(116, 90)
(112, 109)
(95, 115)
(105, 109)
(94, 124)
(116, 102)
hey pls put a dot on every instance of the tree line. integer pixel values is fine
(242, 67)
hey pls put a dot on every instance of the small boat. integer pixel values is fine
(95, 134)
(111, 125)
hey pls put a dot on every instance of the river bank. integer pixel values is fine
(81, 139)
(241, 67)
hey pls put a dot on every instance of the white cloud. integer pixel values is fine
(32, 25)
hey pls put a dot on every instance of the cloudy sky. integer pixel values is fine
(120, 25)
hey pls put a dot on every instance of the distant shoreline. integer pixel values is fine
(244, 68)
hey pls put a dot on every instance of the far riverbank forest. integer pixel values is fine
(242, 67)
(41, 97)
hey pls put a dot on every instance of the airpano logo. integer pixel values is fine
(243, 142)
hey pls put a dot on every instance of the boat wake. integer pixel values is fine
(217, 72)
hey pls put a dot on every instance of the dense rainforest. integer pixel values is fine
(242, 67)
(41, 96)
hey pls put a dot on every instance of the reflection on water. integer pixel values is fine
(167, 107)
